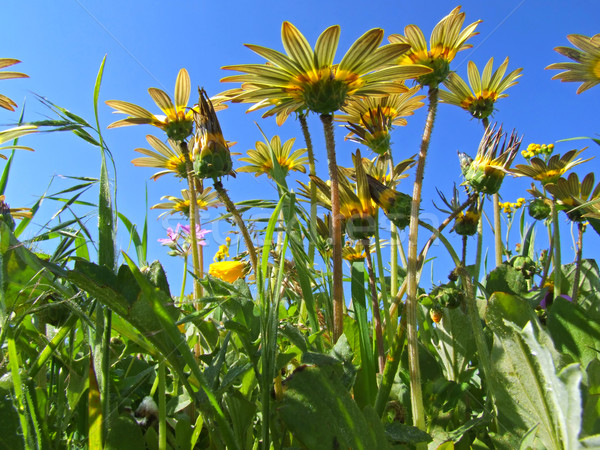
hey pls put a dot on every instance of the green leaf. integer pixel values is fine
(321, 414)
(507, 279)
(124, 433)
(589, 284)
(574, 332)
(400, 433)
(529, 386)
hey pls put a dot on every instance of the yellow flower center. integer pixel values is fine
(549, 175)
(177, 165)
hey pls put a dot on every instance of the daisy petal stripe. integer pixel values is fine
(586, 68)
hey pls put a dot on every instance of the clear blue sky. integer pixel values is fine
(62, 44)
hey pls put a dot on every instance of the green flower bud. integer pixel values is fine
(538, 209)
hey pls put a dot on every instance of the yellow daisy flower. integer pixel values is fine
(6, 102)
(550, 171)
(586, 68)
(370, 120)
(228, 270)
(174, 205)
(307, 79)
(446, 40)
(178, 121)
(167, 157)
(573, 195)
(260, 162)
(486, 88)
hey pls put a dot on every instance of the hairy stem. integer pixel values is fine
(336, 229)
(224, 197)
(193, 206)
(418, 410)
(556, 240)
(497, 229)
(375, 307)
(313, 188)
(580, 228)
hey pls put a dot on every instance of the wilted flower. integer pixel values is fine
(396, 205)
(446, 40)
(586, 68)
(485, 89)
(211, 152)
(356, 206)
(486, 172)
(178, 120)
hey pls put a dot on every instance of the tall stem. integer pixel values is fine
(556, 241)
(580, 228)
(231, 209)
(418, 410)
(313, 188)
(193, 206)
(497, 216)
(336, 229)
(375, 307)
(497, 229)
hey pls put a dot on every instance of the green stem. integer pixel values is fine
(185, 268)
(482, 349)
(497, 229)
(556, 240)
(418, 410)
(13, 362)
(580, 228)
(391, 367)
(193, 207)
(479, 250)
(224, 196)
(389, 328)
(162, 407)
(336, 229)
(313, 188)
(375, 307)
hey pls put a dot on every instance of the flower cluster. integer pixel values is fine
(537, 149)
(182, 248)
(223, 252)
(509, 208)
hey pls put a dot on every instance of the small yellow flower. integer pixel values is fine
(228, 270)
(174, 205)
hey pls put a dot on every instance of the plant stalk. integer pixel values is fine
(418, 410)
(224, 196)
(556, 240)
(193, 207)
(375, 307)
(497, 229)
(336, 230)
(580, 228)
(313, 188)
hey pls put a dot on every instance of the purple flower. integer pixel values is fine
(200, 233)
(173, 236)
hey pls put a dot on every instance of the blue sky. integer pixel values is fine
(62, 44)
